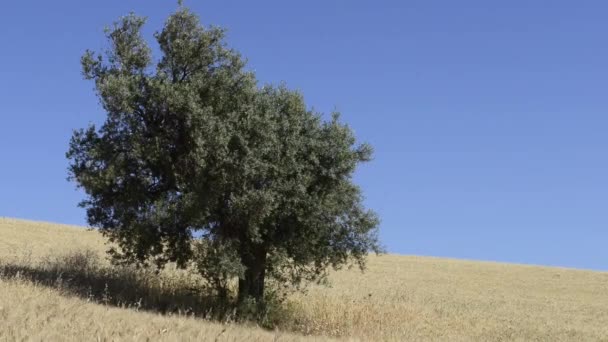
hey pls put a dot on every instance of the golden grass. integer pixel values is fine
(398, 298)
(35, 313)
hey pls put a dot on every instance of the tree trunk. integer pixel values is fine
(252, 285)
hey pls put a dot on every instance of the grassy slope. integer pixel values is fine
(398, 298)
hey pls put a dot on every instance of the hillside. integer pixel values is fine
(43, 268)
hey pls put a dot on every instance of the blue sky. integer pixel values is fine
(489, 119)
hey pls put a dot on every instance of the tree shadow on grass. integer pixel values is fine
(81, 274)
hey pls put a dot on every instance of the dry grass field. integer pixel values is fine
(55, 285)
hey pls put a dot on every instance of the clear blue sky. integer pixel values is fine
(489, 118)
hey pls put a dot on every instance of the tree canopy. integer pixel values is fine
(198, 165)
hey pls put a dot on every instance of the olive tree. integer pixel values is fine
(198, 165)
